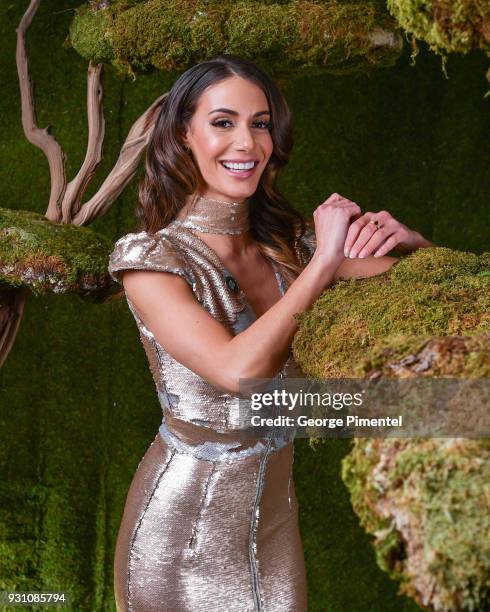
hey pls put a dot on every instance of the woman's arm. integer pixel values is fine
(362, 268)
(186, 330)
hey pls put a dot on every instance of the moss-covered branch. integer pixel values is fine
(43, 256)
(433, 292)
(284, 36)
(425, 501)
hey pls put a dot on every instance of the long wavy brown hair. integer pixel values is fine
(172, 174)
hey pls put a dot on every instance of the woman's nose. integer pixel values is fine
(244, 137)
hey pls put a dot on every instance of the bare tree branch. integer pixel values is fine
(125, 167)
(96, 132)
(65, 199)
(39, 137)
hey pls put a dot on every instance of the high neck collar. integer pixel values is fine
(215, 216)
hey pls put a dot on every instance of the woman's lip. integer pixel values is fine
(239, 161)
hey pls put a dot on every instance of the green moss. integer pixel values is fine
(446, 25)
(426, 503)
(287, 36)
(91, 30)
(46, 256)
(433, 292)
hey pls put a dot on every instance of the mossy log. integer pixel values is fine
(286, 36)
(43, 256)
(425, 501)
(433, 292)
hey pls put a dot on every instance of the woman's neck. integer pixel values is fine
(223, 226)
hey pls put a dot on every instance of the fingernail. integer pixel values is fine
(361, 255)
(352, 255)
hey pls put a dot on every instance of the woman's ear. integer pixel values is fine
(185, 144)
(184, 138)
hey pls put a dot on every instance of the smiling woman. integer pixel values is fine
(211, 517)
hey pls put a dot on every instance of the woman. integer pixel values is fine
(210, 521)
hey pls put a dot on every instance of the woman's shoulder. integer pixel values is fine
(147, 251)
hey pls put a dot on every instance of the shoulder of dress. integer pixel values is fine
(145, 251)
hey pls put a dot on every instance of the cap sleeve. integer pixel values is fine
(143, 251)
(307, 245)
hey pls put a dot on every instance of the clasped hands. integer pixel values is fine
(376, 233)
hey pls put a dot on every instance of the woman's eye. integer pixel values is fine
(267, 125)
(220, 122)
(263, 124)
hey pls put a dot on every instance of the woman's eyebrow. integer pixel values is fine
(232, 112)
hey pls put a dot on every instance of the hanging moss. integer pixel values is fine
(52, 257)
(287, 36)
(433, 292)
(426, 503)
(448, 26)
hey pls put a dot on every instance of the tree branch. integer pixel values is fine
(39, 137)
(125, 167)
(96, 131)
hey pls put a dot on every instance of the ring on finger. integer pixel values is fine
(376, 223)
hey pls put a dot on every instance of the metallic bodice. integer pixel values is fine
(181, 392)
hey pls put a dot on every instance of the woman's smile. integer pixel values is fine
(241, 170)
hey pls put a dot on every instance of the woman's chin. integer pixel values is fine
(233, 193)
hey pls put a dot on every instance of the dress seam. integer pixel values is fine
(253, 531)
(192, 542)
(133, 539)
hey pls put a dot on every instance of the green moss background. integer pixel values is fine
(78, 407)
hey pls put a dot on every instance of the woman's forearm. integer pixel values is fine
(261, 349)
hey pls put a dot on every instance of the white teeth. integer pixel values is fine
(239, 166)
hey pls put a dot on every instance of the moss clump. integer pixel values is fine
(433, 292)
(448, 26)
(426, 503)
(51, 257)
(91, 31)
(287, 36)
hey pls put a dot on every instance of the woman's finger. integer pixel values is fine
(366, 236)
(377, 239)
(354, 230)
(386, 247)
(369, 236)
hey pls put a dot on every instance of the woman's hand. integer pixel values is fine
(332, 220)
(378, 233)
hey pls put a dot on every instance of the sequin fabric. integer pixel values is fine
(211, 520)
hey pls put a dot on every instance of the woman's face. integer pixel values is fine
(230, 125)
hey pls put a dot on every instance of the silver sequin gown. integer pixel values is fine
(210, 522)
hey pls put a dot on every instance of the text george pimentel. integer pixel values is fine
(337, 401)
